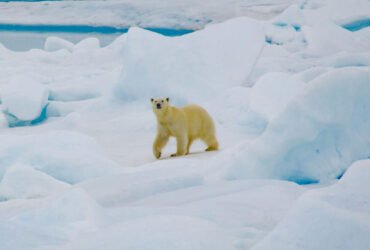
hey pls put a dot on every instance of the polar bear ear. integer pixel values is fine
(167, 99)
(151, 99)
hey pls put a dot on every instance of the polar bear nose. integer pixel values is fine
(158, 105)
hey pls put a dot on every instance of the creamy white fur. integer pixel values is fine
(186, 124)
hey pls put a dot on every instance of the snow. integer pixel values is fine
(56, 43)
(73, 208)
(22, 181)
(143, 13)
(337, 11)
(31, 238)
(287, 36)
(88, 44)
(236, 113)
(211, 57)
(155, 180)
(319, 44)
(232, 213)
(318, 135)
(81, 159)
(273, 92)
(24, 98)
(337, 216)
(285, 82)
(157, 233)
(293, 16)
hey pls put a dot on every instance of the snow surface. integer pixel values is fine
(273, 92)
(337, 216)
(22, 181)
(24, 98)
(327, 126)
(81, 159)
(289, 94)
(204, 57)
(56, 43)
(143, 13)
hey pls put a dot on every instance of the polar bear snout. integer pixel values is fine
(159, 106)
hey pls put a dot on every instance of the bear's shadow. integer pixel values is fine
(197, 154)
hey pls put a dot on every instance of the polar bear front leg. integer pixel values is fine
(160, 141)
(182, 142)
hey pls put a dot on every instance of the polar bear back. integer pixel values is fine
(199, 122)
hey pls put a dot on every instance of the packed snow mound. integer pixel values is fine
(85, 45)
(73, 208)
(273, 92)
(338, 11)
(337, 217)
(90, 43)
(192, 66)
(318, 135)
(286, 36)
(156, 178)
(293, 16)
(55, 43)
(158, 232)
(324, 39)
(117, 45)
(235, 112)
(349, 60)
(70, 94)
(24, 98)
(311, 73)
(251, 208)
(81, 159)
(22, 181)
(31, 236)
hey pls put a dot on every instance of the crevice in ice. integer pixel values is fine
(303, 181)
(294, 26)
(270, 40)
(357, 24)
(340, 175)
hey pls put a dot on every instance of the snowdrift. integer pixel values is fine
(273, 92)
(73, 208)
(319, 134)
(192, 66)
(21, 181)
(207, 216)
(24, 101)
(81, 158)
(335, 217)
(157, 232)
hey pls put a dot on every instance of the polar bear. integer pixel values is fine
(186, 124)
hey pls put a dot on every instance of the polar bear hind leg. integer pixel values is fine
(211, 142)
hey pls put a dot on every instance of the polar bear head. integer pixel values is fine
(160, 104)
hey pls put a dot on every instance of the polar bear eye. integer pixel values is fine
(162, 101)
